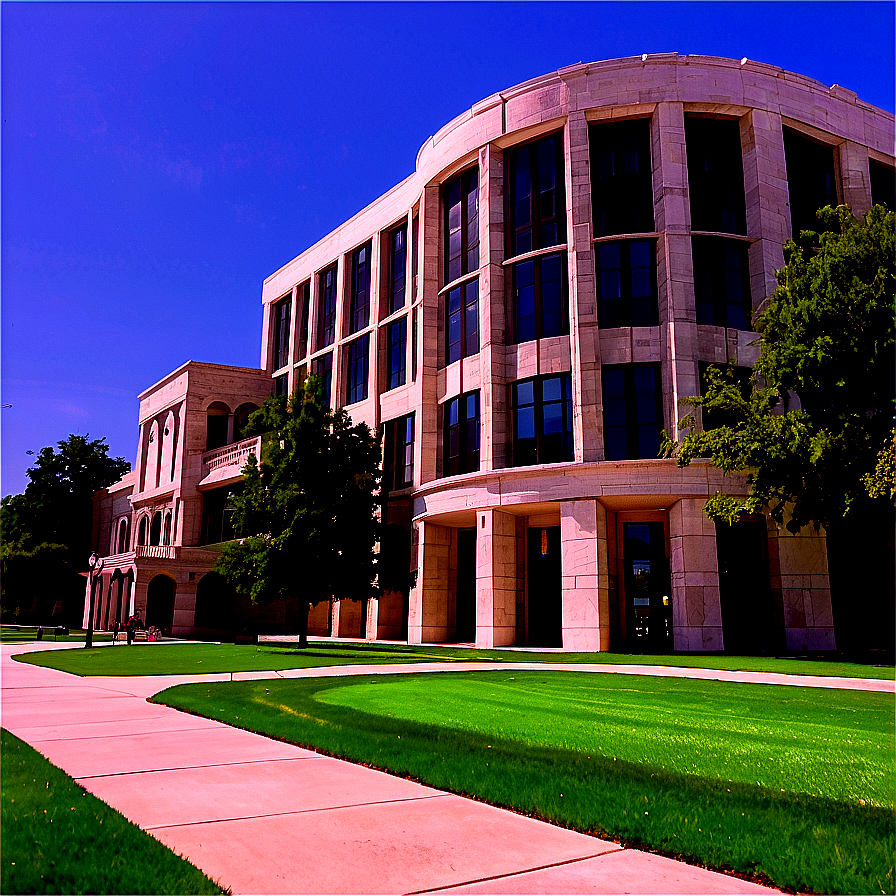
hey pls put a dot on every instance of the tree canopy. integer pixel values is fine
(46, 530)
(308, 511)
(827, 338)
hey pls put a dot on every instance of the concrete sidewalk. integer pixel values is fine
(262, 816)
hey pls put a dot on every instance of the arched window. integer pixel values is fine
(240, 416)
(166, 535)
(141, 532)
(216, 425)
(155, 531)
(122, 536)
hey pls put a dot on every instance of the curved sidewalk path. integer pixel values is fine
(261, 816)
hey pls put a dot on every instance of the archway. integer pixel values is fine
(166, 534)
(155, 530)
(240, 417)
(122, 536)
(160, 603)
(142, 530)
(216, 425)
(215, 604)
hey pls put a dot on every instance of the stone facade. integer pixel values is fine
(521, 316)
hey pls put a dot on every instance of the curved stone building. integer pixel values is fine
(522, 315)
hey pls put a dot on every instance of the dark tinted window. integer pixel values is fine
(358, 368)
(883, 185)
(715, 175)
(542, 420)
(626, 283)
(462, 226)
(326, 318)
(722, 283)
(360, 299)
(398, 340)
(540, 297)
(282, 313)
(461, 435)
(810, 180)
(536, 191)
(633, 417)
(398, 251)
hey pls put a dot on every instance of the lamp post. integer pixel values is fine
(94, 567)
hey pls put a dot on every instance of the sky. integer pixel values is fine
(160, 160)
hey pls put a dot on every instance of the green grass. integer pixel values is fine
(28, 633)
(58, 838)
(786, 784)
(184, 659)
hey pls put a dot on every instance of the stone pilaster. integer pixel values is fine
(855, 178)
(428, 611)
(496, 578)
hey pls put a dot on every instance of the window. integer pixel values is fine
(716, 417)
(358, 366)
(462, 226)
(398, 344)
(415, 240)
(304, 301)
(399, 453)
(536, 191)
(633, 412)
(462, 324)
(360, 299)
(323, 367)
(883, 185)
(542, 420)
(461, 448)
(326, 317)
(281, 384)
(722, 282)
(626, 283)
(398, 252)
(282, 312)
(715, 175)
(810, 180)
(539, 297)
(621, 178)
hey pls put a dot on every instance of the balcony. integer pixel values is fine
(155, 551)
(223, 466)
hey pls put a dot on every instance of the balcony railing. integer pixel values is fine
(234, 455)
(156, 551)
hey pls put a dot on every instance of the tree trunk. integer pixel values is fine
(304, 610)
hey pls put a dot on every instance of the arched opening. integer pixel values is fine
(240, 418)
(160, 603)
(118, 584)
(122, 536)
(215, 604)
(166, 533)
(97, 600)
(151, 462)
(216, 425)
(166, 450)
(155, 530)
(141, 531)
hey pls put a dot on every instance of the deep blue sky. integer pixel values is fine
(160, 160)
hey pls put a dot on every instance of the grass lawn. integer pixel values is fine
(182, 659)
(28, 633)
(786, 784)
(58, 838)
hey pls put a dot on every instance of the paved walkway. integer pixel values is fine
(262, 816)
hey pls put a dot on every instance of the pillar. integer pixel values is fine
(496, 578)
(428, 611)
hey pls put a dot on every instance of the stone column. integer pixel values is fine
(696, 607)
(586, 600)
(805, 589)
(184, 607)
(428, 611)
(855, 177)
(584, 336)
(496, 578)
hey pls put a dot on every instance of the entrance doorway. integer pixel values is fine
(160, 603)
(545, 602)
(465, 608)
(648, 608)
(749, 623)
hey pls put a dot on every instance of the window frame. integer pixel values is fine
(398, 267)
(282, 314)
(400, 452)
(359, 304)
(631, 423)
(467, 184)
(303, 298)
(541, 449)
(703, 254)
(462, 321)
(397, 350)
(357, 365)
(541, 331)
(322, 366)
(326, 303)
(469, 433)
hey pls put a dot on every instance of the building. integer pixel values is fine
(521, 316)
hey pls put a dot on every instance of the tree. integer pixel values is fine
(828, 339)
(309, 510)
(46, 530)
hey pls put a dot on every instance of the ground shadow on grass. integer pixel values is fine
(794, 840)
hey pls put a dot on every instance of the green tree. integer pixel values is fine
(828, 339)
(309, 510)
(46, 531)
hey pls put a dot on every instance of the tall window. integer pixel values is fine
(539, 291)
(398, 255)
(810, 180)
(398, 352)
(282, 313)
(304, 302)
(360, 298)
(716, 417)
(461, 431)
(883, 185)
(281, 384)
(326, 316)
(399, 452)
(542, 420)
(633, 410)
(537, 208)
(715, 175)
(621, 178)
(462, 226)
(722, 282)
(323, 367)
(626, 283)
(415, 241)
(358, 369)
(462, 321)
